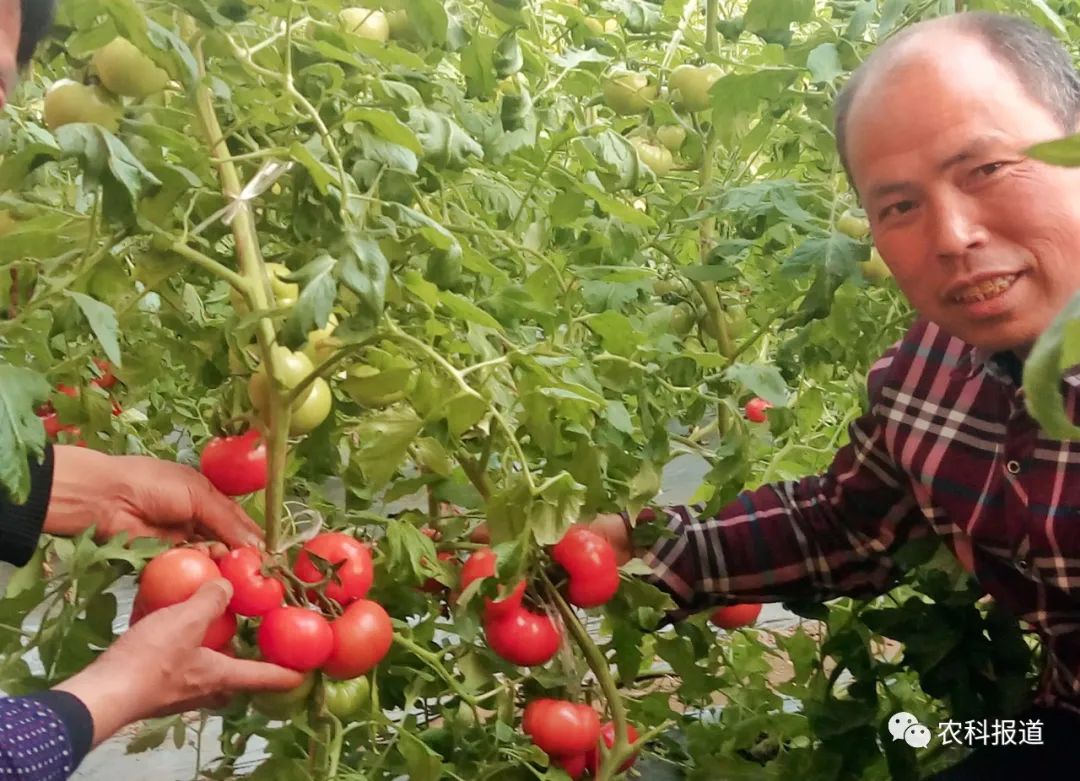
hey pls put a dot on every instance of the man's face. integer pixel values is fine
(10, 26)
(981, 239)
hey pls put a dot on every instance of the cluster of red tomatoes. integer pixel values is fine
(50, 418)
(524, 637)
(570, 734)
(292, 631)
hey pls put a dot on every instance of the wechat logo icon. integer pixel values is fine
(903, 726)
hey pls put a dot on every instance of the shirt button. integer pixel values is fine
(1013, 467)
(1023, 565)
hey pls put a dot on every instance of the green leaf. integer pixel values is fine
(152, 734)
(1042, 376)
(824, 63)
(384, 442)
(445, 144)
(103, 323)
(106, 159)
(465, 309)
(386, 126)
(616, 332)
(619, 417)
(1051, 16)
(26, 576)
(1060, 151)
(762, 15)
(363, 268)
(762, 380)
(21, 432)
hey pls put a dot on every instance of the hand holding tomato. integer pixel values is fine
(143, 496)
(158, 667)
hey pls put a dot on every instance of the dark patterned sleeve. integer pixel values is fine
(21, 524)
(817, 538)
(43, 737)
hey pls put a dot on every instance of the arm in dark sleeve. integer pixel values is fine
(817, 538)
(21, 524)
(43, 737)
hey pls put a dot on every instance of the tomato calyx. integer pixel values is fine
(338, 564)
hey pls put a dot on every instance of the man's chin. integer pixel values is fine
(1015, 335)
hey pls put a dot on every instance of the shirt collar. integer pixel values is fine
(1003, 366)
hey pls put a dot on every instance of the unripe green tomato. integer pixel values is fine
(69, 101)
(284, 705)
(314, 408)
(292, 368)
(853, 226)
(345, 698)
(365, 22)
(690, 86)
(682, 319)
(321, 343)
(875, 270)
(285, 293)
(671, 136)
(124, 70)
(629, 93)
(658, 158)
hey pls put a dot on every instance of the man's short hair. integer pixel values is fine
(37, 17)
(1040, 61)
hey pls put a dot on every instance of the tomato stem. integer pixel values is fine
(435, 663)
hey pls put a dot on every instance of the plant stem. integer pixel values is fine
(211, 265)
(712, 15)
(621, 750)
(435, 663)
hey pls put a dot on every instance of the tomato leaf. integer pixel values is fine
(824, 64)
(1061, 151)
(103, 323)
(1042, 375)
(363, 269)
(21, 432)
(384, 442)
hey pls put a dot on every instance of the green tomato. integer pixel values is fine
(875, 270)
(345, 698)
(671, 136)
(284, 705)
(444, 268)
(852, 225)
(124, 70)
(629, 93)
(372, 387)
(658, 158)
(401, 26)
(69, 101)
(313, 409)
(690, 86)
(321, 342)
(285, 293)
(292, 368)
(366, 23)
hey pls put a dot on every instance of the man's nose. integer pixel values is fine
(957, 227)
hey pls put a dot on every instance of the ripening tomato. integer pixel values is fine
(295, 637)
(755, 409)
(107, 378)
(735, 616)
(53, 426)
(362, 637)
(561, 727)
(522, 637)
(235, 465)
(254, 594)
(220, 632)
(607, 732)
(173, 576)
(589, 560)
(351, 580)
(481, 564)
(573, 765)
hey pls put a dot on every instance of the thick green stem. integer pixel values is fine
(211, 265)
(435, 663)
(712, 16)
(620, 751)
(249, 257)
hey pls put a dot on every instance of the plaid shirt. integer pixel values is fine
(946, 447)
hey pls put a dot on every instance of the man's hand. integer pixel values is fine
(159, 667)
(143, 496)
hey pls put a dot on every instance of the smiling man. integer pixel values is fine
(985, 243)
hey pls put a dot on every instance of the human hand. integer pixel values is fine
(143, 496)
(159, 667)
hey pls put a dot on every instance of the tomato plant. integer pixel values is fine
(589, 561)
(174, 576)
(254, 593)
(344, 699)
(524, 259)
(362, 637)
(561, 727)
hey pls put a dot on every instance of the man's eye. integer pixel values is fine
(989, 168)
(900, 207)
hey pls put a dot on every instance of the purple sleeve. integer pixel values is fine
(43, 737)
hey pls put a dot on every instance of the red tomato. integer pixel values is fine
(220, 632)
(522, 637)
(254, 594)
(574, 765)
(173, 576)
(295, 637)
(431, 585)
(560, 727)
(362, 637)
(235, 465)
(351, 580)
(107, 378)
(52, 424)
(755, 409)
(481, 564)
(589, 560)
(735, 616)
(67, 390)
(592, 757)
